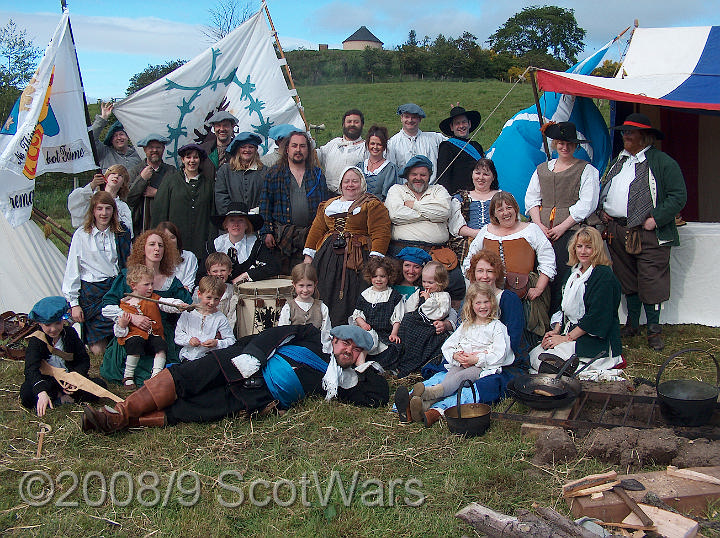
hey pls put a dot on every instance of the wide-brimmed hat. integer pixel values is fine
(188, 147)
(238, 209)
(114, 128)
(244, 138)
(473, 117)
(49, 310)
(565, 131)
(639, 122)
(411, 108)
(222, 115)
(153, 136)
(417, 160)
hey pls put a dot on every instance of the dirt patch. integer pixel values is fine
(554, 446)
(698, 453)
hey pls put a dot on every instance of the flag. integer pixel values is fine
(519, 149)
(46, 130)
(241, 73)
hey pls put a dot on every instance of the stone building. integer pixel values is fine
(361, 39)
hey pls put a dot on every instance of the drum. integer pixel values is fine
(259, 304)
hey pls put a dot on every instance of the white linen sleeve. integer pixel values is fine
(532, 194)
(71, 279)
(309, 252)
(325, 336)
(120, 332)
(557, 317)
(357, 313)
(78, 202)
(543, 250)
(167, 305)
(398, 313)
(437, 306)
(434, 206)
(227, 338)
(495, 356)
(457, 220)
(412, 302)
(112, 311)
(182, 330)
(475, 246)
(588, 196)
(399, 212)
(452, 346)
(284, 318)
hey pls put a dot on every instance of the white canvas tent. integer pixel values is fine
(31, 266)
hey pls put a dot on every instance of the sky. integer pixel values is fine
(116, 40)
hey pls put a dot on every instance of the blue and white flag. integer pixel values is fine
(241, 74)
(46, 130)
(519, 149)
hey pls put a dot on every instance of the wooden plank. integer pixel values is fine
(528, 429)
(687, 496)
(667, 523)
(588, 481)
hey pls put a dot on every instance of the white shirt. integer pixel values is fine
(490, 341)
(325, 337)
(92, 257)
(402, 147)
(79, 202)
(186, 271)
(203, 327)
(243, 247)
(435, 307)
(337, 155)
(431, 219)
(532, 234)
(587, 197)
(373, 297)
(617, 195)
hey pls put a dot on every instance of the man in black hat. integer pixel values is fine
(458, 155)
(276, 369)
(115, 148)
(642, 192)
(145, 179)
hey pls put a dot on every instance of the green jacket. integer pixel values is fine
(600, 322)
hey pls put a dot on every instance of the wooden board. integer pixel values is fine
(667, 523)
(688, 496)
(528, 429)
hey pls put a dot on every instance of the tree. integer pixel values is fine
(225, 17)
(547, 29)
(608, 69)
(152, 73)
(19, 56)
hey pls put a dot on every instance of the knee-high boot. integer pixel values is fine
(156, 394)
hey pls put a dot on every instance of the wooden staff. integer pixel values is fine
(287, 67)
(188, 308)
(539, 112)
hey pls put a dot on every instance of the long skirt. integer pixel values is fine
(329, 267)
(420, 343)
(96, 326)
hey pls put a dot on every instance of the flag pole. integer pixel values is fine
(539, 111)
(287, 66)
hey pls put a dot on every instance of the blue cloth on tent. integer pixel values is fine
(280, 377)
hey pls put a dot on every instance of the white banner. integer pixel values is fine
(46, 130)
(241, 73)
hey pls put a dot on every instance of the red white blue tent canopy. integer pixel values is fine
(672, 67)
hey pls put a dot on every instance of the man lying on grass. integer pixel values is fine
(279, 367)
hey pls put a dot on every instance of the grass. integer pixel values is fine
(315, 437)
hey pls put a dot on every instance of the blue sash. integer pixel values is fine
(281, 379)
(466, 147)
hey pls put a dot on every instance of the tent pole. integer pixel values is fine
(287, 66)
(539, 112)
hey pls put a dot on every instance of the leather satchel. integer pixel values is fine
(633, 244)
(446, 256)
(517, 283)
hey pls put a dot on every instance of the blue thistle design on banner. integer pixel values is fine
(255, 107)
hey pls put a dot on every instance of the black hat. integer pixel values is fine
(565, 131)
(189, 147)
(639, 122)
(238, 209)
(473, 117)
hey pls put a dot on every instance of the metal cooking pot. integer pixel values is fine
(687, 402)
(471, 419)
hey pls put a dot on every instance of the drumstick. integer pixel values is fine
(183, 308)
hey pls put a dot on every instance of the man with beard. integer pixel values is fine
(343, 151)
(215, 144)
(292, 191)
(411, 141)
(424, 216)
(115, 148)
(276, 369)
(145, 179)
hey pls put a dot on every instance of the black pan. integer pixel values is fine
(548, 391)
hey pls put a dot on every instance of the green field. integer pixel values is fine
(213, 462)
